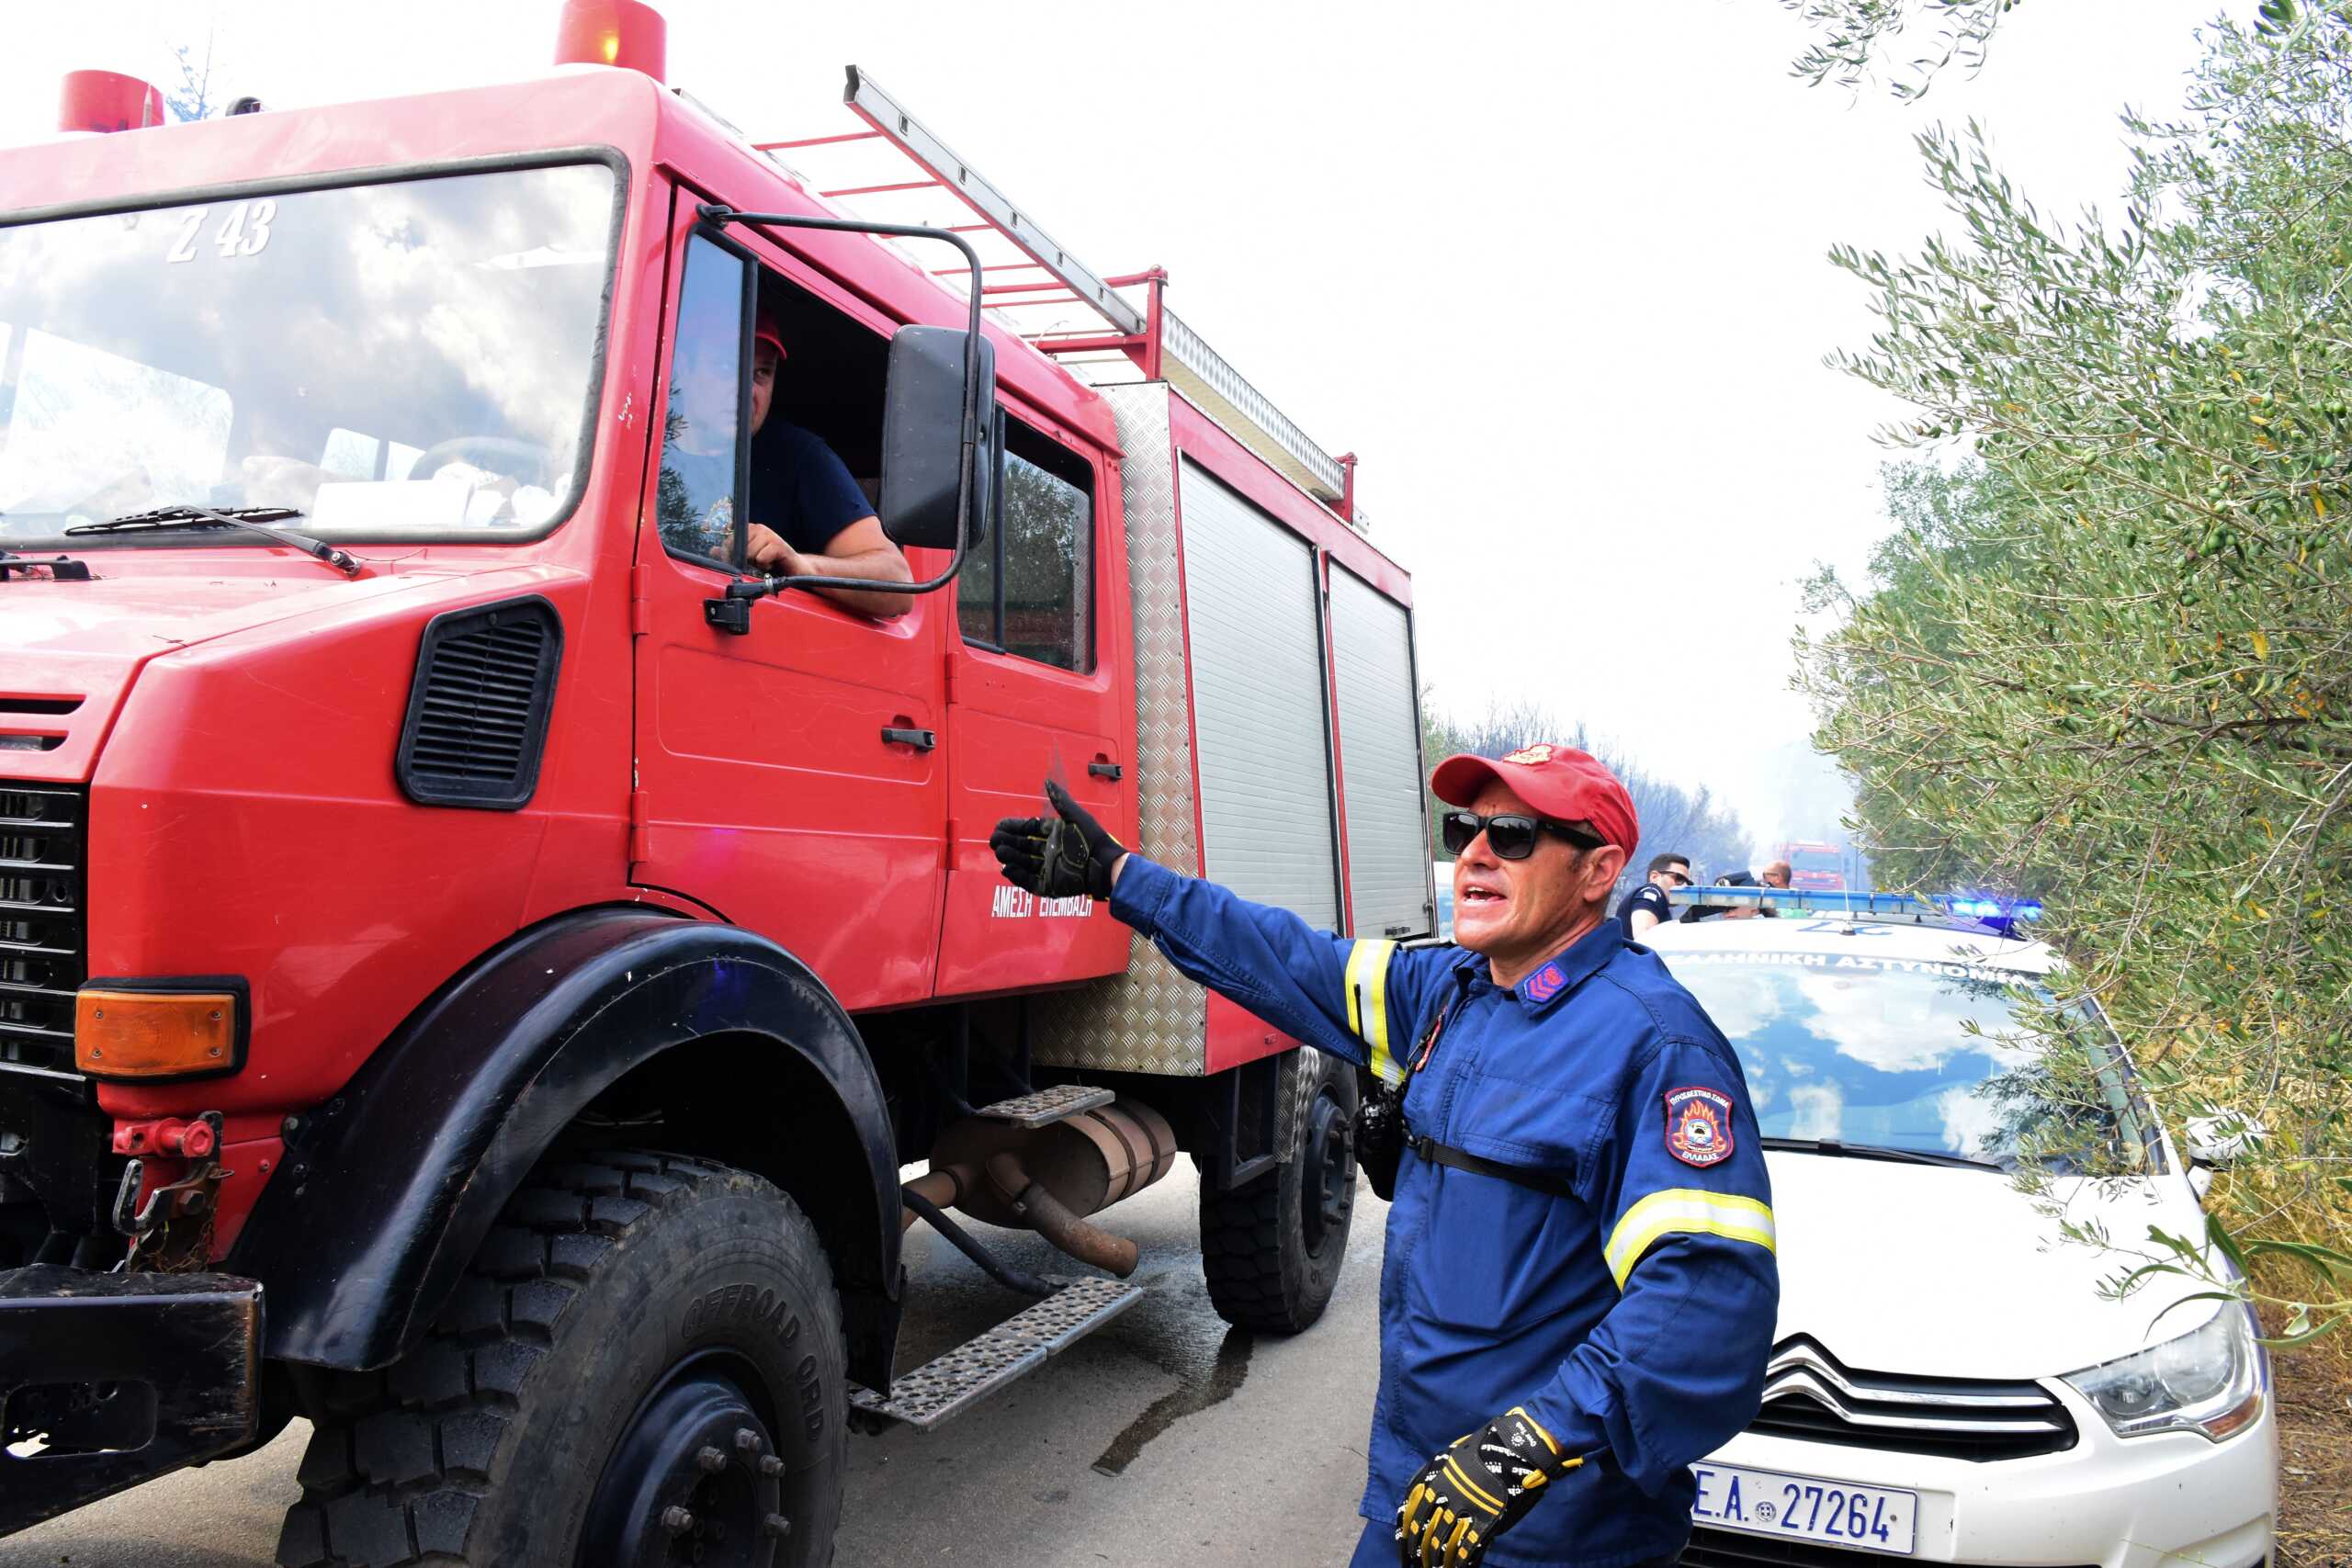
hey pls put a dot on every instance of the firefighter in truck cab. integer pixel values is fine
(810, 518)
(1580, 1291)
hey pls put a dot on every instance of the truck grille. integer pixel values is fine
(1736, 1549)
(41, 926)
(1807, 1395)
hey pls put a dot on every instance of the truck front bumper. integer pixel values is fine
(109, 1380)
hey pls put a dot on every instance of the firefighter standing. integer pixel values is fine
(1579, 1290)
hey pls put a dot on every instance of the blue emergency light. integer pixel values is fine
(1994, 912)
(1993, 909)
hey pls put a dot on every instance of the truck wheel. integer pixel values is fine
(1271, 1247)
(643, 1365)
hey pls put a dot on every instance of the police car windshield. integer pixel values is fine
(405, 357)
(1928, 1057)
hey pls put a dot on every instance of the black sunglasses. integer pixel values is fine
(1511, 836)
(1681, 878)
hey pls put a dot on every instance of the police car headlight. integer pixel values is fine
(2207, 1380)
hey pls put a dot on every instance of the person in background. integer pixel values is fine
(1775, 875)
(1694, 913)
(1579, 1289)
(1647, 906)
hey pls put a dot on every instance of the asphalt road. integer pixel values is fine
(1162, 1435)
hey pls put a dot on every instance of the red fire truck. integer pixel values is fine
(1815, 865)
(474, 957)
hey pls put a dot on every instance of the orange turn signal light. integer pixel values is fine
(2229, 1421)
(155, 1034)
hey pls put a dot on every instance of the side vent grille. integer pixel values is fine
(41, 928)
(478, 711)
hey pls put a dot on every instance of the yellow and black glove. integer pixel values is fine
(1059, 856)
(1475, 1490)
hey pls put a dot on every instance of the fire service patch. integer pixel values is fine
(1698, 1126)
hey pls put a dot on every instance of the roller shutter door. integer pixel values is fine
(1259, 731)
(1380, 759)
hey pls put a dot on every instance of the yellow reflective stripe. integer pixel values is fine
(1687, 1211)
(1478, 1494)
(1367, 987)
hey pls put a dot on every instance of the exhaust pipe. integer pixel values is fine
(1049, 1178)
(1049, 1218)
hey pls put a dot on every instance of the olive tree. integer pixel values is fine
(1856, 37)
(1856, 40)
(2107, 657)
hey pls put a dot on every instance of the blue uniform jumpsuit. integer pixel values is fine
(1631, 1320)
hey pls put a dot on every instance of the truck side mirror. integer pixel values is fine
(922, 434)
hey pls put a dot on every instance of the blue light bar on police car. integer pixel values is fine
(1993, 909)
(1819, 901)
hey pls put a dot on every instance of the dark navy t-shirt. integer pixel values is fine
(801, 489)
(1649, 895)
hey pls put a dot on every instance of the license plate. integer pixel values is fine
(1838, 1513)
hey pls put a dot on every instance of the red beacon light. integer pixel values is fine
(108, 100)
(626, 33)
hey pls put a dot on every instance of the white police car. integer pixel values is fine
(1947, 1382)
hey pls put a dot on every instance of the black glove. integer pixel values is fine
(1475, 1490)
(1059, 856)
(1380, 1134)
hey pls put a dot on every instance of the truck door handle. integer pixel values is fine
(1110, 771)
(921, 739)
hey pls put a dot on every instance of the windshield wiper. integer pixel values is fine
(1876, 1151)
(245, 519)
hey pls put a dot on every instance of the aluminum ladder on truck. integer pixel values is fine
(1056, 302)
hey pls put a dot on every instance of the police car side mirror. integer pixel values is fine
(2216, 1143)
(922, 439)
(2220, 1140)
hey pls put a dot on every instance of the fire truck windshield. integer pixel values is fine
(408, 358)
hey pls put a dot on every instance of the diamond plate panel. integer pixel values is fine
(969, 1373)
(1151, 1018)
(1057, 1102)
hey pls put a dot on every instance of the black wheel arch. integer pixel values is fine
(385, 1191)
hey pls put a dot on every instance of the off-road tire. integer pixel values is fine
(1265, 1272)
(484, 1445)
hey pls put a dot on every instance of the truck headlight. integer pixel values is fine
(2210, 1380)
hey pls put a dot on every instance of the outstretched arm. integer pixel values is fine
(1355, 999)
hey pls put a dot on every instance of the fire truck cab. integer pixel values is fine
(475, 952)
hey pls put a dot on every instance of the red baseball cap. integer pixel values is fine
(1559, 782)
(764, 331)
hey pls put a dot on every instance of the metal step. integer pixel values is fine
(970, 1372)
(1048, 1106)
